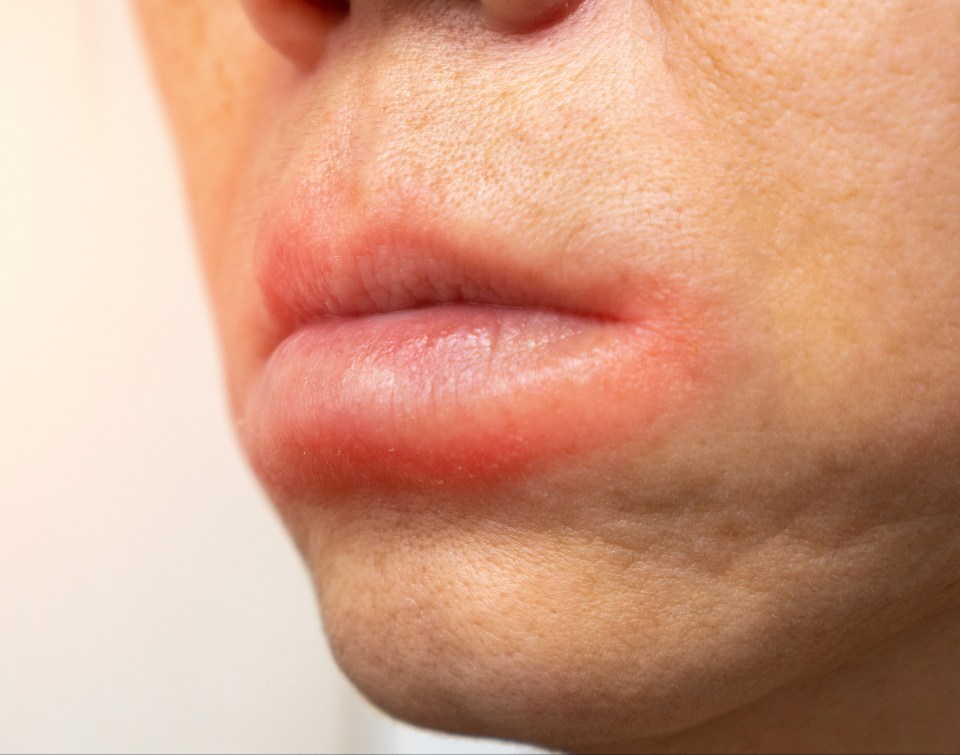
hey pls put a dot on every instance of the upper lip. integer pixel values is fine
(309, 265)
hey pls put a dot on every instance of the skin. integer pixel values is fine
(778, 570)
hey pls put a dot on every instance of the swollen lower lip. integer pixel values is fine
(454, 394)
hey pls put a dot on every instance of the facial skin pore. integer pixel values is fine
(749, 539)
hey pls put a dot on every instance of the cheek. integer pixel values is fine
(842, 127)
(214, 74)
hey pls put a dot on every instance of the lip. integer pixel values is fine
(404, 359)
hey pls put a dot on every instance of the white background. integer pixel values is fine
(149, 598)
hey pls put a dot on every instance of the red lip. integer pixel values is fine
(408, 360)
(308, 269)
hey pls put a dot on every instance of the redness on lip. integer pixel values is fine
(404, 360)
(455, 395)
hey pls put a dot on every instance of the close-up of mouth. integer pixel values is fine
(405, 359)
(460, 376)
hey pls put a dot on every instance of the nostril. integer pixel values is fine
(333, 7)
(522, 16)
(297, 29)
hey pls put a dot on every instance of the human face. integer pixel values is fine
(600, 358)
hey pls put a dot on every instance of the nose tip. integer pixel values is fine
(297, 29)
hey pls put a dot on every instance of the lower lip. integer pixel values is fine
(457, 395)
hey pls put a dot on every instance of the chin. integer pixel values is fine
(474, 654)
(581, 612)
(478, 624)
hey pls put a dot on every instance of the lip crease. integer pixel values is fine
(404, 360)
